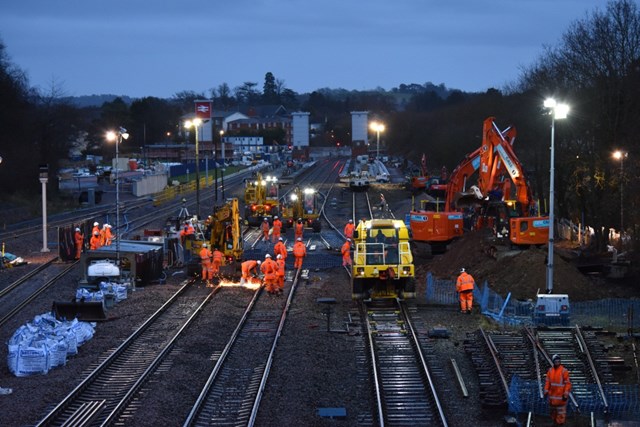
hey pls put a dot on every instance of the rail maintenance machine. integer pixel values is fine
(382, 262)
(304, 204)
(261, 199)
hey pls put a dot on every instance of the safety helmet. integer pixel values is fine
(348, 240)
(258, 262)
(267, 256)
(280, 238)
(299, 239)
(299, 219)
(275, 217)
(266, 219)
(462, 270)
(555, 357)
(95, 223)
(204, 245)
(350, 220)
(95, 233)
(279, 256)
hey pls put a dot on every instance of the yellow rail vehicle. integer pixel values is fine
(382, 263)
(261, 199)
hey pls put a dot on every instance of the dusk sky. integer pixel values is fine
(158, 48)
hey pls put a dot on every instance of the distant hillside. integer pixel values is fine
(95, 100)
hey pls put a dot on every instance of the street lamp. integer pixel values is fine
(621, 155)
(117, 137)
(195, 124)
(557, 112)
(223, 163)
(377, 127)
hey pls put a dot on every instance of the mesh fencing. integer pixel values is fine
(623, 401)
(611, 312)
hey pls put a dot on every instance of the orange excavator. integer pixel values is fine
(487, 204)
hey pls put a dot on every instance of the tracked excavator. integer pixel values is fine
(490, 203)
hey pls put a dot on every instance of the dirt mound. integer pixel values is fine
(521, 272)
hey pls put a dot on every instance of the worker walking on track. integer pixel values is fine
(280, 249)
(346, 253)
(281, 273)
(557, 387)
(299, 252)
(205, 261)
(78, 239)
(249, 269)
(270, 270)
(265, 229)
(299, 229)
(464, 287)
(216, 257)
(348, 229)
(277, 229)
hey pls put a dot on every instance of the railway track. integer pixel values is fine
(104, 394)
(405, 392)
(234, 389)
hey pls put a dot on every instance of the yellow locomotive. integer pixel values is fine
(382, 262)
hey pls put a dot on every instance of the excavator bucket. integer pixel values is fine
(465, 199)
(86, 311)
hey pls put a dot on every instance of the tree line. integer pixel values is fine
(594, 67)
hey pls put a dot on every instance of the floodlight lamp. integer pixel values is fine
(549, 103)
(111, 136)
(309, 191)
(294, 197)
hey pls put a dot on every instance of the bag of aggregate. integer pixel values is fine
(119, 290)
(83, 294)
(25, 361)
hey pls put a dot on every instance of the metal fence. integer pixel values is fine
(611, 312)
(623, 401)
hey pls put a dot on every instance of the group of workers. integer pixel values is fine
(276, 229)
(100, 236)
(211, 263)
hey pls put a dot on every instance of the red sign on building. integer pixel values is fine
(203, 110)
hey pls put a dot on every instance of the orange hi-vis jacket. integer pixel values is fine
(465, 282)
(299, 250)
(94, 243)
(348, 230)
(205, 255)
(280, 249)
(108, 236)
(557, 385)
(299, 229)
(265, 228)
(247, 266)
(217, 257)
(277, 226)
(281, 267)
(270, 269)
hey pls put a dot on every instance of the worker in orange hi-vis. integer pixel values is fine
(205, 261)
(187, 230)
(280, 249)
(217, 258)
(249, 269)
(94, 243)
(270, 270)
(557, 387)
(280, 273)
(346, 253)
(299, 252)
(277, 229)
(464, 287)
(299, 229)
(348, 229)
(96, 227)
(265, 229)
(108, 235)
(78, 239)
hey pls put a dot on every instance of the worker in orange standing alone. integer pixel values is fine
(348, 229)
(346, 253)
(78, 239)
(108, 235)
(280, 249)
(217, 258)
(270, 270)
(280, 273)
(299, 252)
(205, 260)
(265, 229)
(557, 387)
(94, 243)
(277, 229)
(299, 229)
(464, 287)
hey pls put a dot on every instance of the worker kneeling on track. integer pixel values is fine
(270, 270)
(249, 271)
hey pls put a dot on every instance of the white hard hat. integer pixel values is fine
(462, 270)
(204, 245)
(77, 229)
(95, 223)
(554, 357)
(348, 240)
(267, 256)
(279, 256)
(258, 262)
(279, 238)
(275, 217)
(108, 225)
(299, 239)
(266, 219)
(350, 220)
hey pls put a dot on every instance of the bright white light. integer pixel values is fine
(309, 191)
(559, 111)
(294, 197)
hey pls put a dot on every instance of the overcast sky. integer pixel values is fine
(161, 47)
